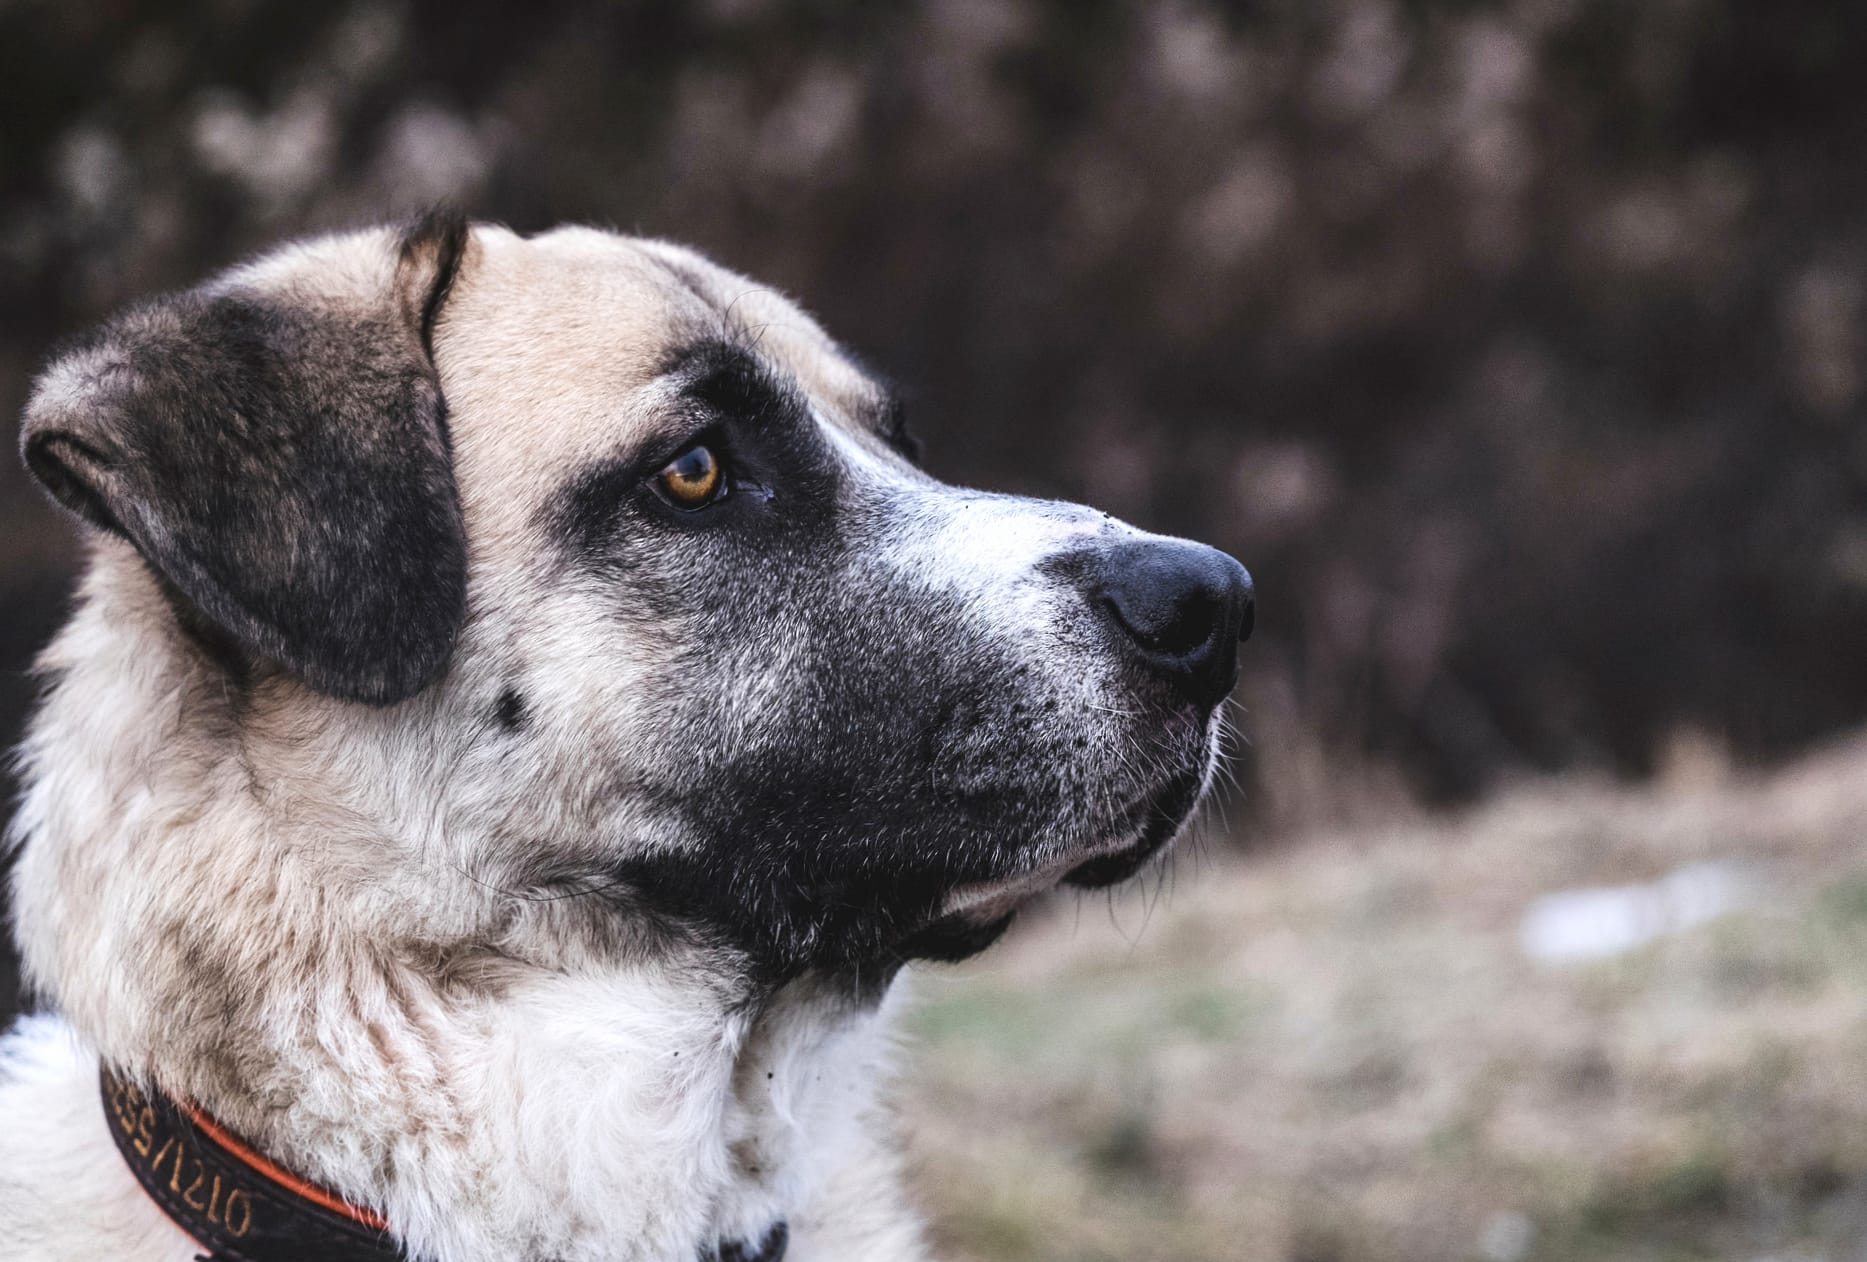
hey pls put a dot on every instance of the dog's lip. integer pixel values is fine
(990, 900)
(1152, 824)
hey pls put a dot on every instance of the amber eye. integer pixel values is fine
(692, 479)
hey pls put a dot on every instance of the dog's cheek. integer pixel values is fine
(876, 755)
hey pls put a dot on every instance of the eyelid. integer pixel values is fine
(708, 433)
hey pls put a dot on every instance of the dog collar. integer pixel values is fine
(242, 1207)
(238, 1205)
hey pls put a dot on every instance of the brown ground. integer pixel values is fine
(1338, 1049)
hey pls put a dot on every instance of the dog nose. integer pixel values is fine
(1184, 607)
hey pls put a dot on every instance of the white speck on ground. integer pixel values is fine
(1587, 924)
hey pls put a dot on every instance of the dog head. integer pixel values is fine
(591, 571)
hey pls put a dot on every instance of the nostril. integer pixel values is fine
(1170, 628)
(1194, 626)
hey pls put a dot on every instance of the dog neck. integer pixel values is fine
(588, 1098)
(745, 1135)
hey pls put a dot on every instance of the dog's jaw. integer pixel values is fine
(1143, 833)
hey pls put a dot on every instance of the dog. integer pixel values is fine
(524, 707)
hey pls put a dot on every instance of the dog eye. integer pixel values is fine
(692, 479)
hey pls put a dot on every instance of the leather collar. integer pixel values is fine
(239, 1206)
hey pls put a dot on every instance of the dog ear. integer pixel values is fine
(278, 452)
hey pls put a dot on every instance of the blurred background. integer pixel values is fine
(1516, 346)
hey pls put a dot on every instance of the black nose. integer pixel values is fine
(1184, 606)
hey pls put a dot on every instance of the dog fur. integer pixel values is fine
(486, 840)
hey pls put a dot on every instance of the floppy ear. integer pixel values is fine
(278, 453)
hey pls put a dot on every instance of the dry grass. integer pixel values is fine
(1338, 1051)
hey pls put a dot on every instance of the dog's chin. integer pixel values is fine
(976, 916)
(1111, 869)
(1161, 820)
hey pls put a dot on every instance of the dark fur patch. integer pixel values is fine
(509, 710)
(285, 471)
(780, 472)
(732, 381)
(887, 785)
(886, 415)
(889, 420)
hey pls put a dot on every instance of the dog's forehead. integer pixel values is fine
(554, 353)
